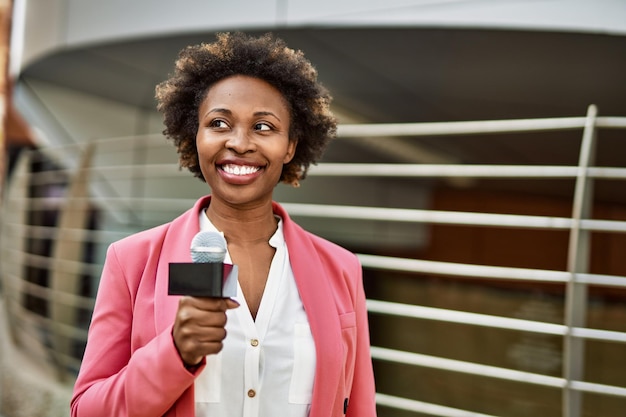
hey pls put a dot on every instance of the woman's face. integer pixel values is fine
(243, 139)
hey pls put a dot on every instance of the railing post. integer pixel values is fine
(578, 262)
(14, 210)
(74, 215)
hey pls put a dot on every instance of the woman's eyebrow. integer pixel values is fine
(266, 113)
(219, 110)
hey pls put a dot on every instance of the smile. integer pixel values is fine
(240, 169)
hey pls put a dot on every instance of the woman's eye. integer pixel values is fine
(262, 126)
(218, 123)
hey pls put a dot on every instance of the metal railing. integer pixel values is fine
(32, 327)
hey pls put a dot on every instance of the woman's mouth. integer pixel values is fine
(240, 170)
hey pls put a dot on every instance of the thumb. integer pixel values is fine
(230, 303)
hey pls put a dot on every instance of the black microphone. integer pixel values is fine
(208, 275)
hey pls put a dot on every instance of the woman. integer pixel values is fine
(244, 113)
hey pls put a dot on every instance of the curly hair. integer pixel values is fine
(198, 67)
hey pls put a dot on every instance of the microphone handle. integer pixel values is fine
(196, 279)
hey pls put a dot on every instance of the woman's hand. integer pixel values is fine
(199, 327)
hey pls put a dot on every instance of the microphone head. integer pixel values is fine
(208, 247)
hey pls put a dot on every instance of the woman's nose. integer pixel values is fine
(240, 141)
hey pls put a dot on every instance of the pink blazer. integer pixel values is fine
(131, 366)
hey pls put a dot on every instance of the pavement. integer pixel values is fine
(28, 388)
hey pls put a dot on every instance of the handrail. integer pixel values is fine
(409, 358)
(365, 213)
(486, 320)
(329, 169)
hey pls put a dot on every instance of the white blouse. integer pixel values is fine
(267, 366)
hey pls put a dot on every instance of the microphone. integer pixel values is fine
(208, 247)
(208, 275)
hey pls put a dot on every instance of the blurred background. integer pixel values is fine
(478, 174)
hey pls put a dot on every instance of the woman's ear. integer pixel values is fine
(291, 150)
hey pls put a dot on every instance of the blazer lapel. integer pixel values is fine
(317, 297)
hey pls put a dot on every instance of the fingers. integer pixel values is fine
(199, 327)
(209, 303)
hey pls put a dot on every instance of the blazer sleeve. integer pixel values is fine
(113, 379)
(362, 401)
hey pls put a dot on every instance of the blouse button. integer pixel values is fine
(254, 342)
(251, 393)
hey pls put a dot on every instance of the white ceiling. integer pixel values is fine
(402, 74)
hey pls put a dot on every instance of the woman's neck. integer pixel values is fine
(251, 225)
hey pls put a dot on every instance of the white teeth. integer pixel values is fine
(240, 169)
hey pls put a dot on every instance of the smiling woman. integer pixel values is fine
(245, 113)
